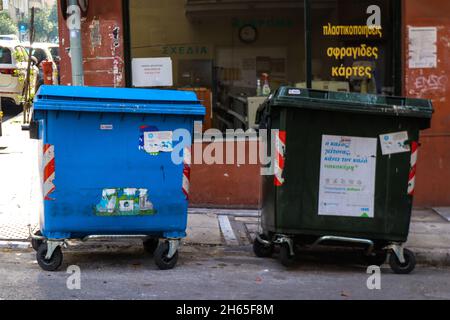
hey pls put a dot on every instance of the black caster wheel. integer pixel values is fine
(403, 268)
(286, 258)
(262, 250)
(36, 243)
(161, 259)
(51, 264)
(377, 258)
(150, 245)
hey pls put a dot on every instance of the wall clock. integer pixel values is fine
(248, 34)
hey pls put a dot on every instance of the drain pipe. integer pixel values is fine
(76, 49)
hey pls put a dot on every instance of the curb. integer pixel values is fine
(15, 245)
(24, 245)
(433, 258)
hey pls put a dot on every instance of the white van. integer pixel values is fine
(10, 68)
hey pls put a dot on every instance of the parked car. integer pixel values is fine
(11, 67)
(9, 37)
(42, 52)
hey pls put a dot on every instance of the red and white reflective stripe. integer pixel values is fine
(280, 152)
(186, 171)
(49, 170)
(412, 173)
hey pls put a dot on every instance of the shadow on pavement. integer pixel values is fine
(10, 112)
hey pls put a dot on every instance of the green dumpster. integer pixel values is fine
(344, 168)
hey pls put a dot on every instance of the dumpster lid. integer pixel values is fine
(351, 102)
(122, 100)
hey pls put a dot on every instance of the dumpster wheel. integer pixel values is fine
(161, 257)
(35, 242)
(51, 264)
(286, 257)
(376, 258)
(150, 245)
(262, 247)
(403, 268)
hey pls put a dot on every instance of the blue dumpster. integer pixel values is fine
(108, 168)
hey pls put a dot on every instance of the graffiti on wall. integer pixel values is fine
(118, 61)
(430, 86)
(430, 81)
(96, 36)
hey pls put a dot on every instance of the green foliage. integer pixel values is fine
(21, 74)
(7, 26)
(45, 24)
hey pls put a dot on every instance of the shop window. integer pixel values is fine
(353, 46)
(221, 49)
(224, 49)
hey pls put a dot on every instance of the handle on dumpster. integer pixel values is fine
(33, 128)
(395, 101)
(263, 116)
(318, 94)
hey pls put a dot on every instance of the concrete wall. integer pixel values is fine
(103, 49)
(433, 177)
(226, 185)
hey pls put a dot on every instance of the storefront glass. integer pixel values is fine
(227, 51)
(353, 47)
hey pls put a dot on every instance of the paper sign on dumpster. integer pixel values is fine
(347, 176)
(394, 143)
(155, 142)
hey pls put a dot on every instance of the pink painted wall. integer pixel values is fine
(433, 172)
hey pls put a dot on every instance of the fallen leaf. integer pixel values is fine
(345, 294)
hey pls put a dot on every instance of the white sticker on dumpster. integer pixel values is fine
(158, 141)
(394, 143)
(347, 176)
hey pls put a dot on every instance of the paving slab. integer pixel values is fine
(426, 215)
(241, 232)
(227, 231)
(443, 212)
(203, 229)
(226, 212)
(429, 241)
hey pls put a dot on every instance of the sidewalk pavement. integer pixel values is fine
(19, 198)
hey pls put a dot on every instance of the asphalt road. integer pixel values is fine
(210, 273)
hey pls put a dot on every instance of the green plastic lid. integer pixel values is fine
(352, 102)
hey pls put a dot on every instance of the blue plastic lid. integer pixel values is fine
(123, 100)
